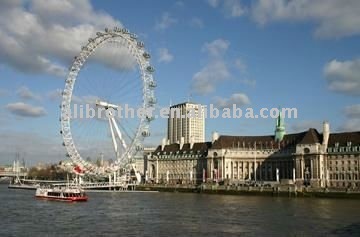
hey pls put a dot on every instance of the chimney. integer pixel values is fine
(326, 134)
(163, 143)
(215, 136)
(182, 141)
(191, 142)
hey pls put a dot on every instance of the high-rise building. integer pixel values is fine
(186, 123)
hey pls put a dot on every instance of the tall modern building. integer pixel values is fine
(186, 123)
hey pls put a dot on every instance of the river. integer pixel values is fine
(176, 214)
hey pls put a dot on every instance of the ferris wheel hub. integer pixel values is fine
(105, 104)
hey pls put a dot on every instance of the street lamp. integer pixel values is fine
(255, 162)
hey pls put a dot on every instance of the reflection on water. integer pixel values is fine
(176, 214)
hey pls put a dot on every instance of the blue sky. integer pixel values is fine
(301, 54)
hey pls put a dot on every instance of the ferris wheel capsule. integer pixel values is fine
(152, 84)
(140, 44)
(125, 31)
(133, 36)
(146, 55)
(145, 133)
(150, 69)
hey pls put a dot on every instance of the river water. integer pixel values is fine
(176, 214)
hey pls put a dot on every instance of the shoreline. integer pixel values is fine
(280, 191)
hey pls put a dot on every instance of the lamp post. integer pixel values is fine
(255, 162)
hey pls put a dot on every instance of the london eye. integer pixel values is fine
(112, 72)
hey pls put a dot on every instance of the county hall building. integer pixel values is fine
(319, 159)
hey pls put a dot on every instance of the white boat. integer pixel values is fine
(18, 183)
(23, 186)
(67, 194)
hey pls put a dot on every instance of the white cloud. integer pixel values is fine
(165, 22)
(164, 55)
(352, 111)
(248, 82)
(216, 70)
(196, 22)
(239, 99)
(334, 18)
(41, 36)
(239, 64)
(54, 95)
(26, 94)
(216, 48)
(25, 110)
(242, 67)
(233, 8)
(230, 8)
(343, 76)
(304, 125)
(352, 122)
(206, 80)
(350, 125)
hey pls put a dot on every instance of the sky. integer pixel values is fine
(261, 54)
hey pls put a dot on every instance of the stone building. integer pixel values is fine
(262, 158)
(307, 158)
(178, 163)
(343, 160)
(310, 158)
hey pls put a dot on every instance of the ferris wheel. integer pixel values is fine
(111, 73)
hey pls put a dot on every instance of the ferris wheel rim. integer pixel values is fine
(137, 50)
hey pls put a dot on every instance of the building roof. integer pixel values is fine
(311, 136)
(343, 138)
(184, 103)
(308, 137)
